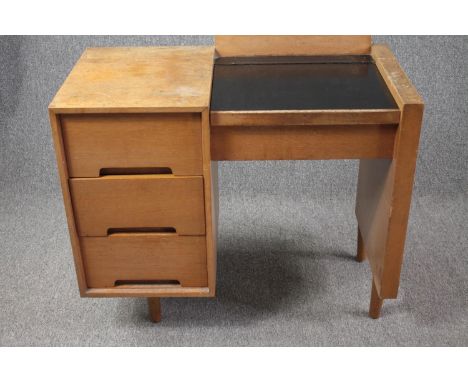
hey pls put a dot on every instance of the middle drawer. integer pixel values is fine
(134, 202)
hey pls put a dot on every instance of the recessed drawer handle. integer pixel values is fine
(135, 171)
(146, 283)
(140, 230)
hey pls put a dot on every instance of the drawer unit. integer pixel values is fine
(98, 143)
(132, 138)
(133, 260)
(123, 203)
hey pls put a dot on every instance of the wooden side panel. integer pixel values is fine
(301, 142)
(119, 141)
(144, 201)
(63, 173)
(210, 179)
(145, 258)
(373, 209)
(383, 204)
(406, 152)
(232, 46)
(385, 187)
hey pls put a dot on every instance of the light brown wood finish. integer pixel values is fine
(361, 254)
(120, 141)
(301, 142)
(148, 291)
(304, 117)
(373, 208)
(376, 303)
(147, 82)
(153, 80)
(210, 179)
(63, 174)
(397, 81)
(138, 79)
(233, 46)
(138, 201)
(385, 186)
(154, 307)
(143, 260)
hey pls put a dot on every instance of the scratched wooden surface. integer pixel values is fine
(136, 79)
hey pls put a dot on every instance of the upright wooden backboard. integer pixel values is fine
(233, 46)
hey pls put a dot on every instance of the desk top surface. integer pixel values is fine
(165, 79)
(142, 79)
(298, 83)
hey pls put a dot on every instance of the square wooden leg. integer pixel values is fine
(361, 255)
(154, 305)
(375, 303)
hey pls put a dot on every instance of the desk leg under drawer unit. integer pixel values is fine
(140, 216)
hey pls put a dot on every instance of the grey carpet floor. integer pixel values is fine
(286, 269)
(286, 276)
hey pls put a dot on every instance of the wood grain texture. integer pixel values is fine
(373, 208)
(301, 117)
(301, 142)
(210, 183)
(156, 80)
(138, 201)
(120, 82)
(96, 141)
(256, 45)
(385, 186)
(138, 79)
(145, 258)
(396, 79)
(149, 291)
(63, 174)
(404, 167)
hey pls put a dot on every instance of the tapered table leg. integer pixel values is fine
(154, 305)
(361, 255)
(375, 303)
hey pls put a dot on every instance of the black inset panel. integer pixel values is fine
(298, 83)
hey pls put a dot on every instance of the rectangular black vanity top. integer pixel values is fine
(298, 83)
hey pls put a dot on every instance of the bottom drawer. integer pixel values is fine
(134, 259)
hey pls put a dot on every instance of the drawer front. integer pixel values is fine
(144, 259)
(136, 202)
(97, 143)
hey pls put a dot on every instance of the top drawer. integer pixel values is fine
(96, 143)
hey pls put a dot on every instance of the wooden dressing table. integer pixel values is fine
(138, 133)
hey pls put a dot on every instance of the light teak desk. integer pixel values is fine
(138, 133)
